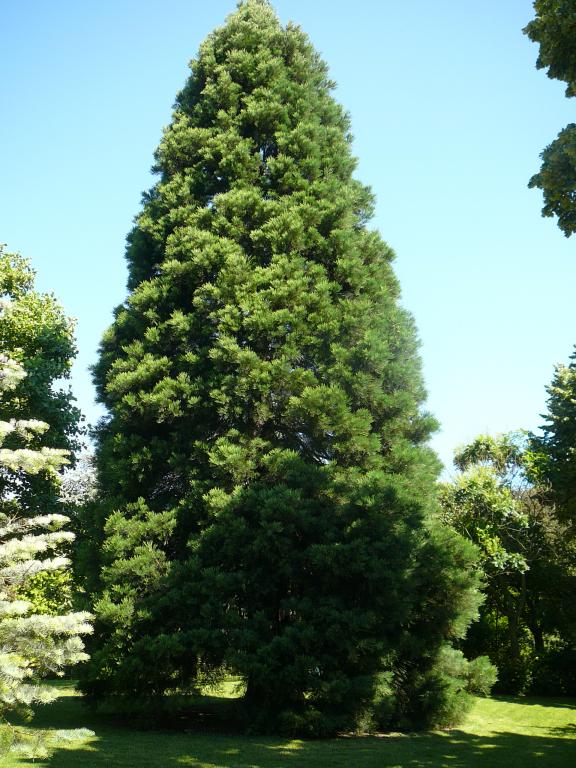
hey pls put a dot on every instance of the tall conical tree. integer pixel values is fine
(264, 464)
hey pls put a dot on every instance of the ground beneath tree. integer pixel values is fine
(520, 732)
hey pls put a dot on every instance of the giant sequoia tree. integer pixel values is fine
(266, 488)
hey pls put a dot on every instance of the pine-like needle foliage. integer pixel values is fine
(32, 645)
(264, 468)
(554, 451)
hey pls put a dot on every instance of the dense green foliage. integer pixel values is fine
(529, 560)
(554, 451)
(266, 488)
(557, 179)
(37, 334)
(554, 29)
(552, 466)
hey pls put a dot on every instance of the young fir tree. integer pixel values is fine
(32, 644)
(265, 479)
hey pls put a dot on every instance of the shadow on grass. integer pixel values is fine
(117, 745)
(566, 732)
(537, 701)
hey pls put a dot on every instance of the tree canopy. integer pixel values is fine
(36, 333)
(554, 29)
(499, 502)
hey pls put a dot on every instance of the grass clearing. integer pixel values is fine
(498, 733)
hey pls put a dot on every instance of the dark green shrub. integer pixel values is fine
(554, 673)
(514, 675)
(436, 698)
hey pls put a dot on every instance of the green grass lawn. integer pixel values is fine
(512, 733)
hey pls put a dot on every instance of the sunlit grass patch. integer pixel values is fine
(498, 733)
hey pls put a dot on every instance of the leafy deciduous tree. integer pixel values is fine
(554, 28)
(527, 557)
(37, 334)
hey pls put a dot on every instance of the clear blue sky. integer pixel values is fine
(449, 116)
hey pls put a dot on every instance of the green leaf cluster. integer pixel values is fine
(37, 335)
(554, 29)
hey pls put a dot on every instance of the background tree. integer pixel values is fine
(78, 492)
(527, 558)
(554, 29)
(554, 451)
(265, 481)
(552, 465)
(35, 332)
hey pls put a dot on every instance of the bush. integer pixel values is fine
(437, 698)
(481, 675)
(554, 673)
(454, 681)
(514, 676)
